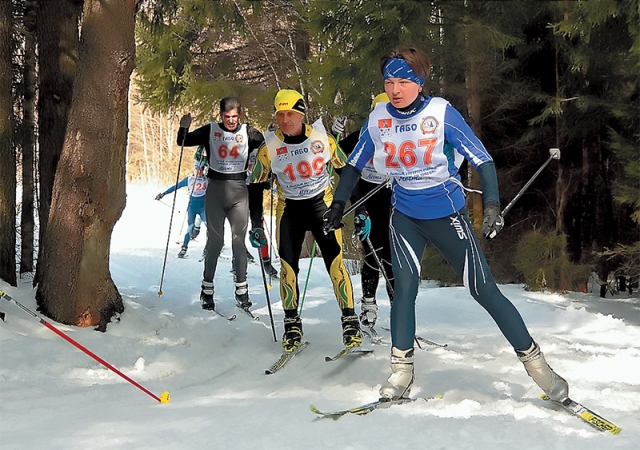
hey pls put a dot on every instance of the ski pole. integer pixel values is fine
(271, 250)
(173, 206)
(164, 397)
(313, 250)
(266, 293)
(166, 204)
(380, 265)
(555, 154)
(184, 219)
(306, 283)
(366, 197)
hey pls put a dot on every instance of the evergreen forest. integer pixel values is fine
(93, 91)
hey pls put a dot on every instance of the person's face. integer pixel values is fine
(290, 122)
(401, 91)
(198, 171)
(231, 119)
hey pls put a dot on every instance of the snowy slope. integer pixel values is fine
(54, 396)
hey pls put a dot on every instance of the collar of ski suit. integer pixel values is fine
(418, 104)
(299, 139)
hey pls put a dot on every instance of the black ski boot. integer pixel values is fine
(292, 333)
(206, 296)
(183, 251)
(195, 232)
(268, 268)
(351, 333)
(242, 296)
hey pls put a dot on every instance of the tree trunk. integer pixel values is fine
(7, 153)
(561, 199)
(57, 38)
(587, 204)
(28, 137)
(89, 189)
(474, 103)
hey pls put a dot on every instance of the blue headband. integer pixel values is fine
(399, 68)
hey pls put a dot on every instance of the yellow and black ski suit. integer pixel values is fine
(294, 217)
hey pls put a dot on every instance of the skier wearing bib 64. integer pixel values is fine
(421, 142)
(299, 156)
(228, 145)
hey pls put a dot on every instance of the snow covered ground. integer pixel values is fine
(54, 396)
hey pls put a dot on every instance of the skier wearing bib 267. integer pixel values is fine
(228, 145)
(298, 154)
(421, 141)
(197, 183)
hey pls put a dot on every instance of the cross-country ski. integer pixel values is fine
(356, 351)
(368, 407)
(284, 358)
(584, 413)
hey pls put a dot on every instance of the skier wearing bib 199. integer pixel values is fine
(197, 185)
(228, 145)
(298, 154)
(421, 141)
(371, 220)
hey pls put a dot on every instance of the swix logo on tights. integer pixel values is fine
(455, 223)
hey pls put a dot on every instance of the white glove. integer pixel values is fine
(338, 125)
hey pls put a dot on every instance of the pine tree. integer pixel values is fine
(89, 191)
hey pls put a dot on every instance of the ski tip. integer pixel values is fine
(165, 397)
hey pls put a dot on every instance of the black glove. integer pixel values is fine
(160, 195)
(492, 222)
(332, 218)
(185, 122)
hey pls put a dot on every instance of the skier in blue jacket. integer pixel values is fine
(197, 184)
(421, 141)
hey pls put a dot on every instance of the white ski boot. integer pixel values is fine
(401, 379)
(369, 313)
(536, 366)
